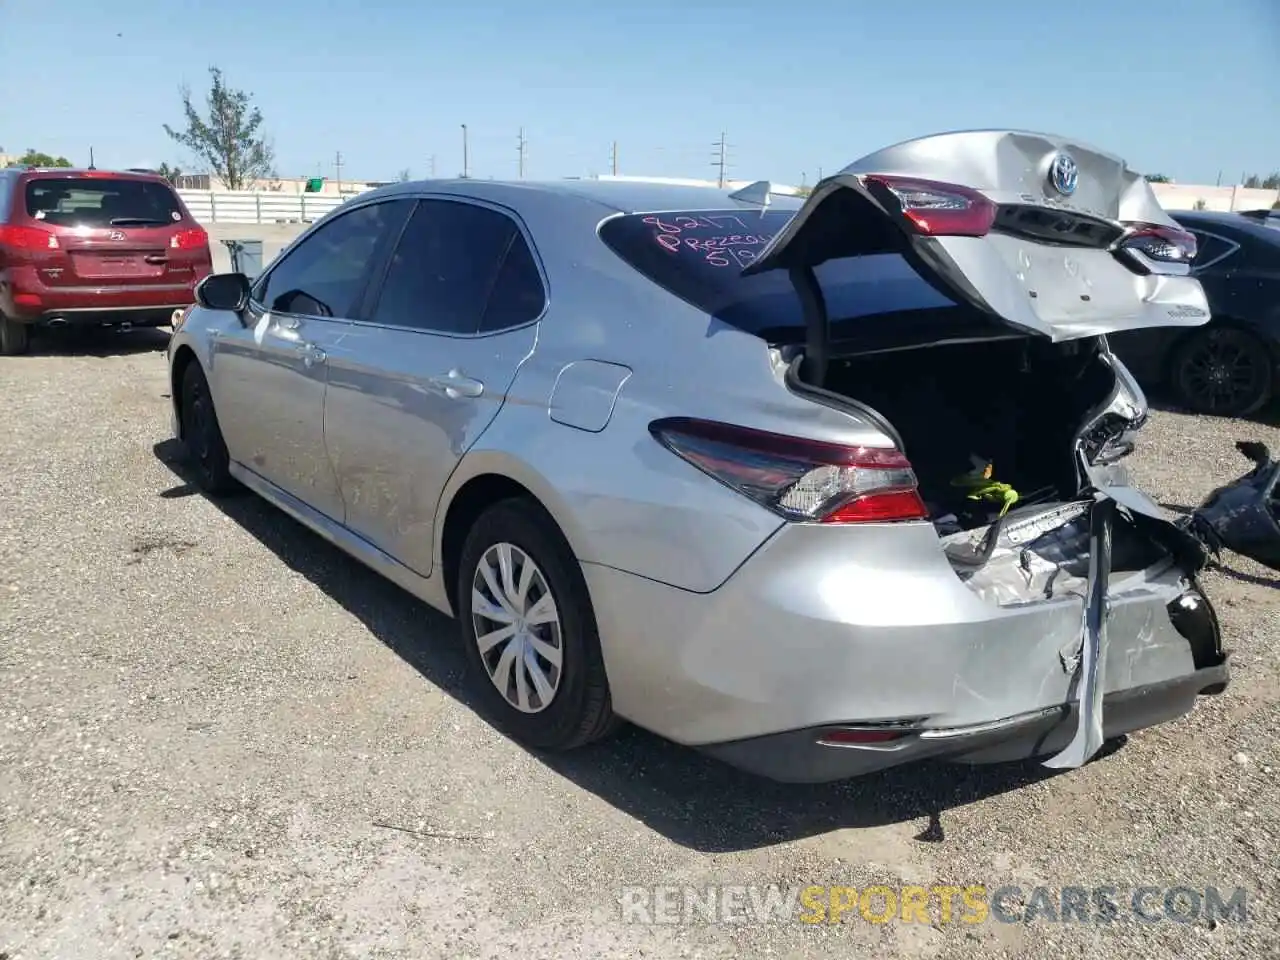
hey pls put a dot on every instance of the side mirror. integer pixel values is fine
(223, 291)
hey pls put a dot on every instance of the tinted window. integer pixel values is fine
(324, 276)
(95, 202)
(1210, 249)
(445, 266)
(518, 295)
(699, 257)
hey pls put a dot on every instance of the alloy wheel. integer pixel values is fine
(516, 626)
(1223, 373)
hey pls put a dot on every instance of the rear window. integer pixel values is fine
(699, 257)
(73, 202)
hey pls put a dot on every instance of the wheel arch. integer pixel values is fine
(484, 478)
(183, 357)
(1270, 341)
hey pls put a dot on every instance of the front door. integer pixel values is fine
(416, 381)
(269, 376)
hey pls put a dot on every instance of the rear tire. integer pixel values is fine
(202, 436)
(1222, 370)
(15, 337)
(542, 680)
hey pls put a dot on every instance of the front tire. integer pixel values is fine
(1222, 370)
(202, 436)
(15, 337)
(529, 631)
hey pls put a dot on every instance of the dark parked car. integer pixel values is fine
(93, 248)
(1229, 366)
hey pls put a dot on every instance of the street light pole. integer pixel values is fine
(466, 172)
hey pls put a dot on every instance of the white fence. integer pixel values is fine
(255, 206)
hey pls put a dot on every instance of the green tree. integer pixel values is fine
(405, 175)
(1272, 182)
(34, 158)
(172, 174)
(230, 139)
(1158, 178)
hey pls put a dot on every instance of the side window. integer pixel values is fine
(444, 267)
(324, 276)
(518, 295)
(1210, 250)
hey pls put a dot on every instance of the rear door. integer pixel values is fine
(116, 231)
(415, 381)
(1050, 236)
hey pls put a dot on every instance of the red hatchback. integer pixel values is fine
(93, 248)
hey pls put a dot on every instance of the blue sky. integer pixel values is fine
(1180, 87)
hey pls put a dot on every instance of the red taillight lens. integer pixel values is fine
(1159, 245)
(936, 209)
(803, 480)
(193, 239)
(28, 238)
(857, 736)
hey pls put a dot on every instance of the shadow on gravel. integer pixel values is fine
(693, 800)
(99, 342)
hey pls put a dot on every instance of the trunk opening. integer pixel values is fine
(1017, 404)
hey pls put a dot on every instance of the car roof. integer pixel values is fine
(1238, 222)
(622, 196)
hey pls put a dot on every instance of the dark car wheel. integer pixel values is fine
(15, 337)
(529, 631)
(202, 436)
(1222, 370)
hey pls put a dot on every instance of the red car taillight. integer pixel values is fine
(193, 239)
(936, 209)
(803, 480)
(1159, 243)
(28, 238)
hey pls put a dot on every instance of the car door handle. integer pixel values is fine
(311, 354)
(455, 385)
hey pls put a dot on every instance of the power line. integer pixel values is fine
(722, 158)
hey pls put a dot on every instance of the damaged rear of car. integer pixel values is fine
(974, 577)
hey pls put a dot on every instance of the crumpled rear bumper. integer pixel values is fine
(801, 756)
(871, 627)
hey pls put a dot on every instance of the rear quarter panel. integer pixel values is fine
(621, 498)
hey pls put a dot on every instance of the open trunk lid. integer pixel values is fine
(1048, 235)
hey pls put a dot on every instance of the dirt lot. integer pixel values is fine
(220, 738)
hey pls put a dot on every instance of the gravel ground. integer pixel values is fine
(221, 738)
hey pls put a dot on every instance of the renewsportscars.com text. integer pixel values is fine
(942, 903)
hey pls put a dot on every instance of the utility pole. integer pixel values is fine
(432, 164)
(337, 170)
(466, 170)
(91, 166)
(521, 145)
(722, 158)
(613, 158)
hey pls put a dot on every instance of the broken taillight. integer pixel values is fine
(936, 209)
(799, 479)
